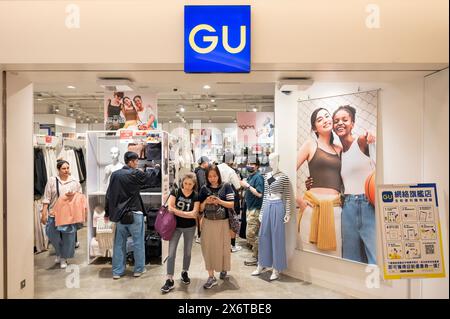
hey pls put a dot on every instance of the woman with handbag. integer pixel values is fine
(217, 202)
(185, 205)
(63, 184)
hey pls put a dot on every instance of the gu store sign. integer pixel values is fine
(217, 39)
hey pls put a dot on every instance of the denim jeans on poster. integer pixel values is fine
(358, 229)
(136, 231)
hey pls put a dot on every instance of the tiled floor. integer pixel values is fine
(95, 280)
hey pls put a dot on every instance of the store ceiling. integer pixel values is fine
(83, 96)
(232, 92)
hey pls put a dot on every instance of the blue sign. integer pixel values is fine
(217, 39)
(388, 197)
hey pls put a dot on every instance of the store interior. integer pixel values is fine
(72, 103)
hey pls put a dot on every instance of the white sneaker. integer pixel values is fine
(77, 244)
(197, 240)
(57, 260)
(275, 275)
(63, 263)
(236, 248)
(258, 271)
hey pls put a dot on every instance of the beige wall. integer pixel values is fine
(293, 32)
(400, 115)
(1, 187)
(436, 162)
(20, 186)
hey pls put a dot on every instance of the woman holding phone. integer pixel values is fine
(216, 199)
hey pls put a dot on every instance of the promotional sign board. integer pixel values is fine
(336, 147)
(411, 231)
(217, 39)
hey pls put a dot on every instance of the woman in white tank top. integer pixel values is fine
(358, 215)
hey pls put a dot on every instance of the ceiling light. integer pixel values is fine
(234, 120)
(170, 122)
(96, 121)
(56, 109)
(209, 121)
(182, 109)
(255, 109)
(215, 108)
(206, 87)
(39, 99)
(212, 100)
(71, 87)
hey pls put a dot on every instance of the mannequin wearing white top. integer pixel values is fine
(114, 166)
(276, 189)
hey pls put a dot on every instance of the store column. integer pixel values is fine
(19, 187)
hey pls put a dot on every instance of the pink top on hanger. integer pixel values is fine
(70, 209)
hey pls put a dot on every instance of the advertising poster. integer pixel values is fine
(336, 158)
(411, 231)
(133, 110)
(255, 128)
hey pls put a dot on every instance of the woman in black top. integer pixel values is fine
(217, 199)
(114, 118)
(185, 205)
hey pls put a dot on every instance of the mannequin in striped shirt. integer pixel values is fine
(275, 213)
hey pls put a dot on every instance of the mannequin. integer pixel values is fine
(275, 212)
(114, 166)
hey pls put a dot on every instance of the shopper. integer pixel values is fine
(184, 203)
(254, 191)
(124, 207)
(320, 208)
(231, 176)
(216, 198)
(200, 172)
(63, 184)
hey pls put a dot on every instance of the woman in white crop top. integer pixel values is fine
(358, 215)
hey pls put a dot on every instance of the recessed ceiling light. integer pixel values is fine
(96, 121)
(209, 121)
(255, 109)
(234, 121)
(182, 109)
(170, 121)
(212, 100)
(39, 99)
(71, 87)
(215, 108)
(206, 87)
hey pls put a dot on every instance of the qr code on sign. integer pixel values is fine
(429, 249)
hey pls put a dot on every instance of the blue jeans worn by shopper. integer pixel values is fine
(136, 231)
(63, 242)
(358, 229)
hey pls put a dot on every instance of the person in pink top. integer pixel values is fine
(61, 185)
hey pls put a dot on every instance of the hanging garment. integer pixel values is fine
(70, 210)
(40, 240)
(153, 151)
(82, 162)
(80, 173)
(40, 173)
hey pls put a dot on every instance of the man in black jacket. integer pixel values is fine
(124, 206)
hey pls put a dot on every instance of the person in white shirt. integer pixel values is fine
(229, 175)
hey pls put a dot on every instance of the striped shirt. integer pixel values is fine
(281, 185)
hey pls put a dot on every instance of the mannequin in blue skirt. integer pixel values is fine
(275, 213)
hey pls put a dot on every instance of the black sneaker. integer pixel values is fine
(185, 278)
(223, 275)
(210, 283)
(168, 286)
